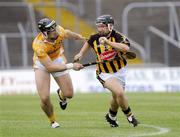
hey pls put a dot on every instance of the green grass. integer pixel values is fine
(21, 116)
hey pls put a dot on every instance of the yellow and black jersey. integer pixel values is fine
(106, 52)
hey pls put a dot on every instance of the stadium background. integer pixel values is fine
(153, 27)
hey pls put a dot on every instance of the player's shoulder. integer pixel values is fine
(118, 34)
(59, 27)
(60, 30)
(94, 36)
(38, 38)
(115, 32)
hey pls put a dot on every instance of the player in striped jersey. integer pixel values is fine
(109, 44)
(49, 59)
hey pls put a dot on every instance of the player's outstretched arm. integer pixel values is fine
(59, 67)
(83, 50)
(72, 35)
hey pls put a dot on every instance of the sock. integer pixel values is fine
(52, 118)
(127, 112)
(112, 114)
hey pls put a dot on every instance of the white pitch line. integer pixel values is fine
(161, 130)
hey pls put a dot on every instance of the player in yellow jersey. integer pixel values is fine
(109, 44)
(49, 59)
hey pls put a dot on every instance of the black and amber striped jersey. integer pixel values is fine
(106, 52)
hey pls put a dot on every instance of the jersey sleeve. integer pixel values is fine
(91, 40)
(38, 49)
(122, 39)
(41, 53)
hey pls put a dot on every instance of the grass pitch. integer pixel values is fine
(21, 116)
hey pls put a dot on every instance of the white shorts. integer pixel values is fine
(59, 60)
(120, 75)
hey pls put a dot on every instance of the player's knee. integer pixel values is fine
(45, 100)
(69, 94)
(119, 94)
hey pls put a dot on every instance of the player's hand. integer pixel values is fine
(77, 57)
(103, 40)
(77, 66)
